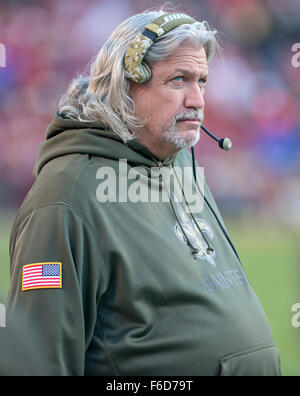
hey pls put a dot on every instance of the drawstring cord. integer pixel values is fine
(209, 249)
(195, 250)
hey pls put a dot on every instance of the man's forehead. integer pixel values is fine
(185, 58)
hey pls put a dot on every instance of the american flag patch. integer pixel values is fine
(42, 276)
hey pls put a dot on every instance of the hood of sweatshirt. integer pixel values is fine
(67, 136)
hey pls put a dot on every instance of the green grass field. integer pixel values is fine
(6, 220)
(270, 254)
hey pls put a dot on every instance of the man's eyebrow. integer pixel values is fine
(188, 72)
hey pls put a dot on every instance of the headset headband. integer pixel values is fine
(135, 68)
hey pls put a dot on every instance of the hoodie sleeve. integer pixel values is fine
(62, 318)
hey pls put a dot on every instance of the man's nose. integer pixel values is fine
(194, 97)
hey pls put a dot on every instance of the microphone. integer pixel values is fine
(224, 143)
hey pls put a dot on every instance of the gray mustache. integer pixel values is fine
(191, 115)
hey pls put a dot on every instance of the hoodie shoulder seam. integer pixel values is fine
(81, 169)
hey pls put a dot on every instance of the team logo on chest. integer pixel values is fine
(197, 233)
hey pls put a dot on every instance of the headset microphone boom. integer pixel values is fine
(224, 143)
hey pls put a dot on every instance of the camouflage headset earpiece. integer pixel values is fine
(136, 69)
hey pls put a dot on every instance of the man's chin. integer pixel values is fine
(192, 141)
(184, 139)
(192, 136)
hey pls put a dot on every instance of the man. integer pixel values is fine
(119, 269)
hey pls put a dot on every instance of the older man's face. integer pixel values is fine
(171, 103)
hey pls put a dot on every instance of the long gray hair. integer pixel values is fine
(104, 94)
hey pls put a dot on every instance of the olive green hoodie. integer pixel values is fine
(146, 286)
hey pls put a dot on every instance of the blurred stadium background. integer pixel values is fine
(253, 97)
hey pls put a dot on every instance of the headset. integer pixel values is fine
(137, 70)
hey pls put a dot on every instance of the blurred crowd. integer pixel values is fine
(252, 97)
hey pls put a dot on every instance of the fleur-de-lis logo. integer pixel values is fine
(193, 234)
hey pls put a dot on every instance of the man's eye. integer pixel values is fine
(202, 82)
(178, 79)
